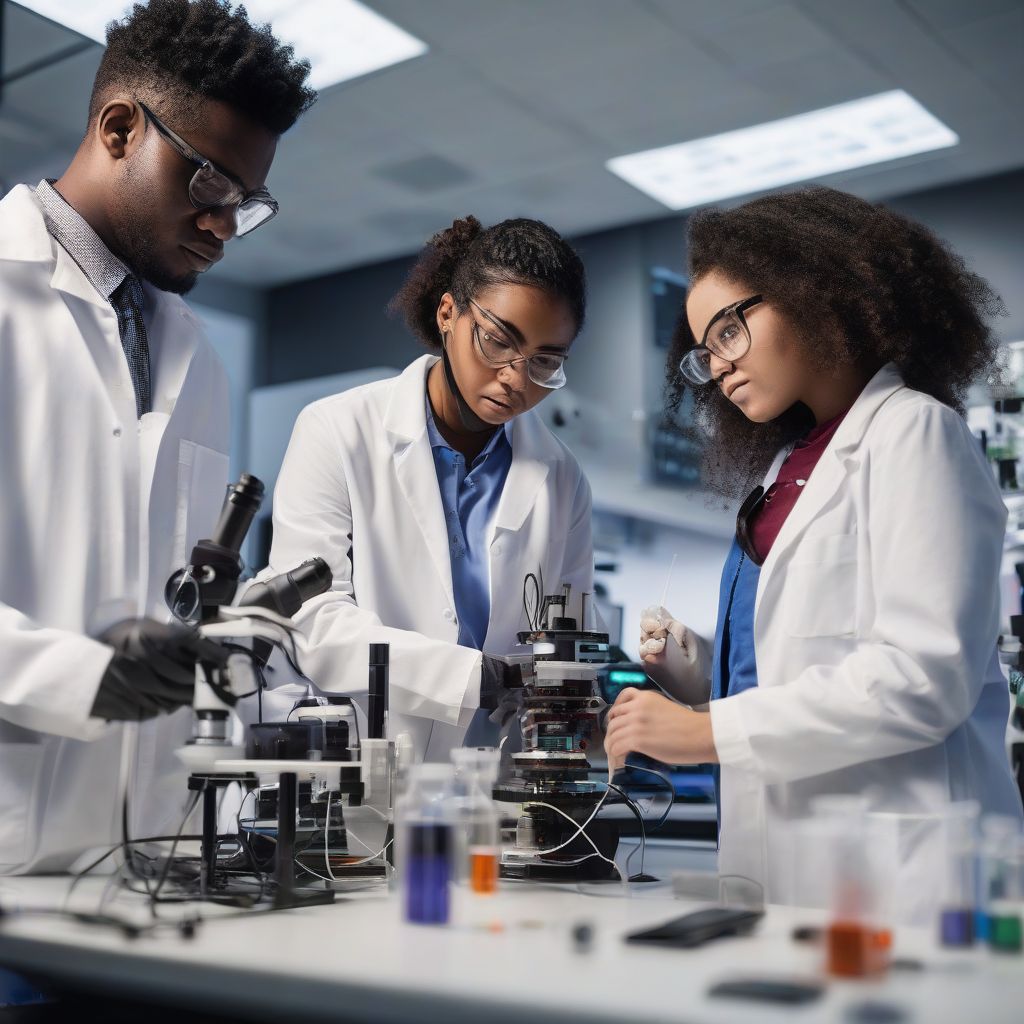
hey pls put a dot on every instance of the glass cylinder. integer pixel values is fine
(424, 841)
(477, 821)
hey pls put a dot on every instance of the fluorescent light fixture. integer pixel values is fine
(855, 134)
(341, 39)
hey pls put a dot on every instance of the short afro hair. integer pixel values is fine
(190, 48)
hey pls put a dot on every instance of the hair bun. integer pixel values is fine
(453, 243)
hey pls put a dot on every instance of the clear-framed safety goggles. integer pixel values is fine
(727, 336)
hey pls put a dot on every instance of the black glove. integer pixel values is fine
(496, 676)
(153, 669)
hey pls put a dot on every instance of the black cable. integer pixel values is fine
(531, 618)
(668, 782)
(643, 834)
(170, 856)
(113, 849)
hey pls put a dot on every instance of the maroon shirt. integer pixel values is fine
(782, 495)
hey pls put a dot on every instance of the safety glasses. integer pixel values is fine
(726, 336)
(544, 368)
(212, 187)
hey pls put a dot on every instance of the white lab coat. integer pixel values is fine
(97, 509)
(358, 487)
(875, 627)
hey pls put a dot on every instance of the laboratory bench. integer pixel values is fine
(531, 952)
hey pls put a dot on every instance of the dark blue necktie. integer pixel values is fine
(127, 300)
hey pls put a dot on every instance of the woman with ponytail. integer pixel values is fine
(432, 495)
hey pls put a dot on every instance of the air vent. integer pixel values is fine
(425, 174)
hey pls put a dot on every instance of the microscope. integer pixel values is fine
(314, 778)
(550, 777)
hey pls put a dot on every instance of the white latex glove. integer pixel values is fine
(675, 657)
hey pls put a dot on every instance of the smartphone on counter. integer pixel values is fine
(699, 927)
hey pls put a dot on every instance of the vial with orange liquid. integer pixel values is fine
(477, 853)
(857, 943)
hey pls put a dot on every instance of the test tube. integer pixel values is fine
(959, 882)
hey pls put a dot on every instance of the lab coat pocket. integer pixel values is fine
(202, 484)
(20, 765)
(819, 593)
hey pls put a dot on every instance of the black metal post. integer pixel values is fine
(209, 848)
(287, 801)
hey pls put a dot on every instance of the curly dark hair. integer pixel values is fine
(860, 284)
(181, 49)
(467, 257)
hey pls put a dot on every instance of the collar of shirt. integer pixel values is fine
(72, 232)
(502, 437)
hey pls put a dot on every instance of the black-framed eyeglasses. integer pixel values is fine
(210, 186)
(544, 368)
(726, 336)
(751, 504)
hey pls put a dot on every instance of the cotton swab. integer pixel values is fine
(668, 579)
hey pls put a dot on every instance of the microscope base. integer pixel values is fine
(517, 863)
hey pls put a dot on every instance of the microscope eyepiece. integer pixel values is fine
(287, 593)
(241, 504)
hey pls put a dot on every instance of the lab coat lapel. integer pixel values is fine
(170, 364)
(509, 545)
(23, 237)
(69, 279)
(406, 421)
(531, 458)
(833, 466)
(97, 323)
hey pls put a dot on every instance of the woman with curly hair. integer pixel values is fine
(433, 494)
(829, 344)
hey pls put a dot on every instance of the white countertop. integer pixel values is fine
(506, 958)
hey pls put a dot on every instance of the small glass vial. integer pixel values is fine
(476, 819)
(957, 909)
(855, 944)
(1003, 886)
(1000, 833)
(424, 843)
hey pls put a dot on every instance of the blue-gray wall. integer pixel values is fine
(338, 322)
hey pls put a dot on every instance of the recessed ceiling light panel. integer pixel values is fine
(342, 39)
(808, 146)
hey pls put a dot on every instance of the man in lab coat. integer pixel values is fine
(114, 419)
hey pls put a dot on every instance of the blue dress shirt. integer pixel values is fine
(734, 667)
